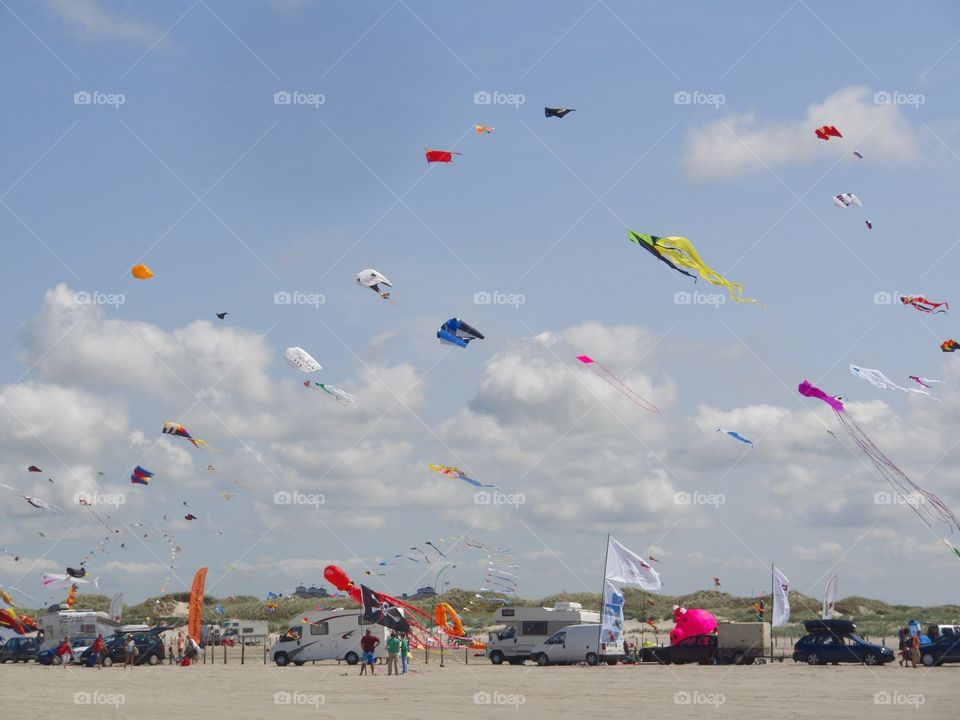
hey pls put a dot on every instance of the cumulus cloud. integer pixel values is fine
(746, 142)
(88, 19)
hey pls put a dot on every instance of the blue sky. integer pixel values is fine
(231, 198)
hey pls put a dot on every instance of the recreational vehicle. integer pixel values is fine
(57, 624)
(326, 635)
(249, 632)
(526, 627)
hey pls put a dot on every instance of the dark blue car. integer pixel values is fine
(944, 650)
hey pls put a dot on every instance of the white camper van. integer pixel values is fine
(56, 625)
(526, 627)
(249, 632)
(574, 644)
(326, 635)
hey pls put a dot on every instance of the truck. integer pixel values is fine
(326, 635)
(734, 643)
(57, 624)
(575, 644)
(526, 627)
(249, 632)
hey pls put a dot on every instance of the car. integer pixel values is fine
(150, 645)
(19, 649)
(79, 644)
(823, 646)
(944, 650)
(699, 649)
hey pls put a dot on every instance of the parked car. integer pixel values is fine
(19, 649)
(944, 650)
(150, 645)
(79, 644)
(833, 641)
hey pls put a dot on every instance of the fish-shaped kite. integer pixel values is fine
(172, 428)
(924, 305)
(737, 436)
(460, 475)
(923, 381)
(557, 112)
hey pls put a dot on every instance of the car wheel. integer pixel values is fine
(352, 658)
(929, 660)
(813, 659)
(281, 659)
(153, 659)
(612, 661)
(738, 657)
(516, 661)
(56, 660)
(108, 661)
(496, 657)
(299, 663)
(592, 659)
(870, 659)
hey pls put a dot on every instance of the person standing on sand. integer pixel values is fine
(393, 654)
(368, 643)
(99, 651)
(904, 650)
(404, 653)
(64, 651)
(180, 646)
(130, 652)
(915, 649)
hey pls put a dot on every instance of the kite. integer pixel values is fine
(341, 396)
(34, 468)
(456, 332)
(300, 359)
(141, 476)
(557, 112)
(484, 129)
(878, 379)
(826, 132)
(868, 224)
(32, 501)
(373, 279)
(680, 251)
(141, 272)
(651, 558)
(53, 581)
(502, 601)
(923, 381)
(116, 607)
(211, 468)
(195, 612)
(950, 346)
(407, 557)
(457, 473)
(924, 503)
(651, 621)
(858, 155)
(172, 428)
(607, 376)
(72, 572)
(435, 548)
(736, 435)
(190, 516)
(220, 610)
(227, 495)
(422, 553)
(846, 200)
(443, 156)
(716, 582)
(222, 315)
(924, 305)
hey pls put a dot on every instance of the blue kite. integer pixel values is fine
(456, 332)
(736, 435)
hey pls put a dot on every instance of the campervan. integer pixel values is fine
(55, 625)
(526, 627)
(576, 644)
(326, 635)
(249, 632)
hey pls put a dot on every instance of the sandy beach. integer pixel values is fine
(780, 690)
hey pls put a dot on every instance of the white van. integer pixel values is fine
(576, 643)
(326, 635)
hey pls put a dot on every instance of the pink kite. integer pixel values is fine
(808, 390)
(602, 372)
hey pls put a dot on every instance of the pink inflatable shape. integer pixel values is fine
(690, 622)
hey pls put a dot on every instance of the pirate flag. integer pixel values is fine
(381, 609)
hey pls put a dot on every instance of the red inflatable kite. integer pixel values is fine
(826, 132)
(440, 156)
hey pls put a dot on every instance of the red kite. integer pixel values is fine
(443, 156)
(826, 132)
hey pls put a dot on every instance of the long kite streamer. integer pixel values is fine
(607, 376)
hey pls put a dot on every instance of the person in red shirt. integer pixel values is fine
(64, 651)
(99, 651)
(368, 643)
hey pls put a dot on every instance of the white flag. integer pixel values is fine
(116, 607)
(611, 630)
(830, 599)
(627, 569)
(781, 599)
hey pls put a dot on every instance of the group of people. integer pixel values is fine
(98, 651)
(398, 653)
(188, 650)
(909, 647)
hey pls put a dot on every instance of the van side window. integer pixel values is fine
(319, 628)
(534, 628)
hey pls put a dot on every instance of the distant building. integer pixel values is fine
(422, 593)
(311, 592)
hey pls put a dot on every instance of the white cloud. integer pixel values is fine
(88, 19)
(746, 143)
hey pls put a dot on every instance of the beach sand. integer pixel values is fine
(481, 690)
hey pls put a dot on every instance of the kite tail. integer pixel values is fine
(604, 373)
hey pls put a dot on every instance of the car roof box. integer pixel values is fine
(842, 627)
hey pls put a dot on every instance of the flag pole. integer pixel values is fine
(603, 595)
(773, 609)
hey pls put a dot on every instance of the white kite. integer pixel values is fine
(341, 396)
(878, 379)
(32, 501)
(373, 279)
(53, 581)
(846, 200)
(300, 359)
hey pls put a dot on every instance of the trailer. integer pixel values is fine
(326, 635)
(527, 627)
(741, 643)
